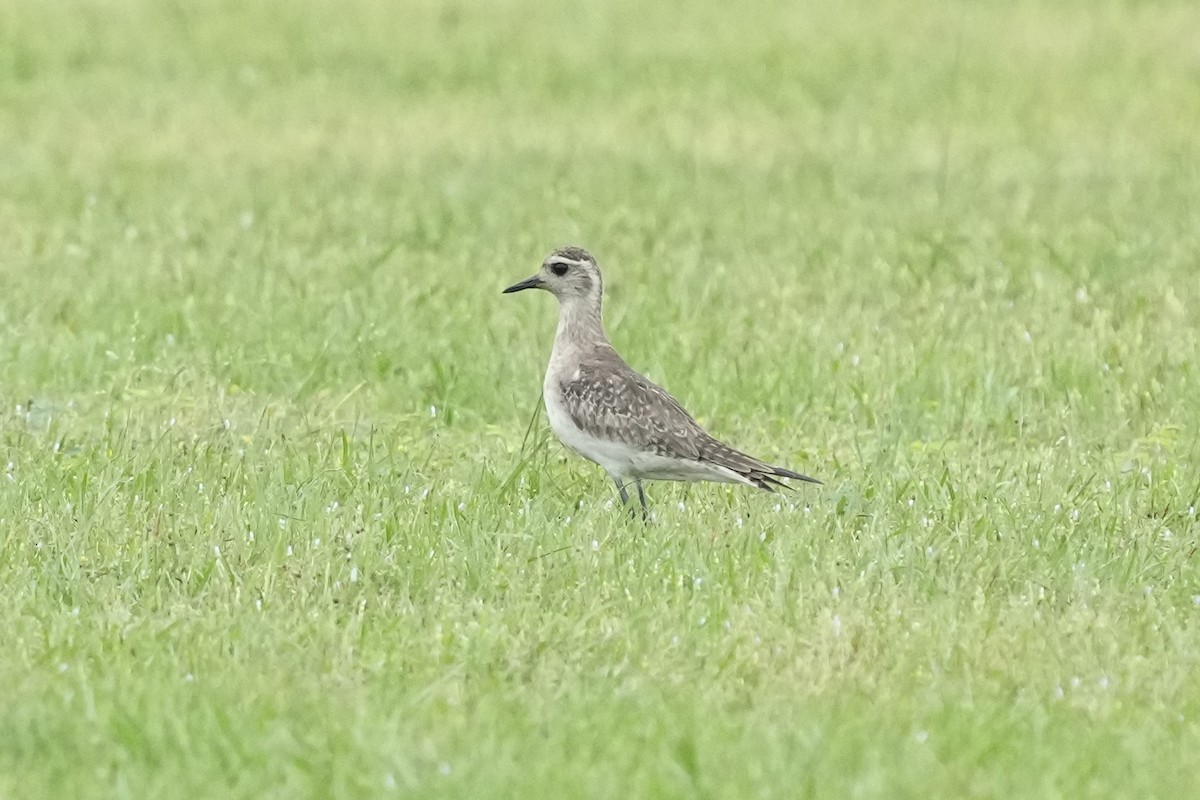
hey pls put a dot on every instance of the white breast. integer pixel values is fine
(616, 458)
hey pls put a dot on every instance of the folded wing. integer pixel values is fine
(611, 401)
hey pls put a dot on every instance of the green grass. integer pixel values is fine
(271, 523)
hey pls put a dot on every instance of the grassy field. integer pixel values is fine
(277, 518)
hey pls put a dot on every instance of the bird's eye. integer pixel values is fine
(558, 268)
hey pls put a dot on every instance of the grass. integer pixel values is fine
(273, 520)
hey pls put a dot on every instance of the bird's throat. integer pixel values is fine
(580, 325)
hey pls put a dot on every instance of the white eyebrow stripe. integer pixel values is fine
(569, 262)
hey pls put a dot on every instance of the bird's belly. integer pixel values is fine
(623, 461)
(616, 457)
(664, 468)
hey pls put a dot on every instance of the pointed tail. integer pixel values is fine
(759, 473)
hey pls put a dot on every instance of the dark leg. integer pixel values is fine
(624, 494)
(642, 497)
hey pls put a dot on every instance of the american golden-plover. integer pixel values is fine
(606, 412)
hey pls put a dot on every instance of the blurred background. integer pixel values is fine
(343, 187)
(277, 513)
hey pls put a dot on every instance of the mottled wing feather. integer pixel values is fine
(726, 456)
(611, 401)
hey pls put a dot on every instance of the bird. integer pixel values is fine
(607, 412)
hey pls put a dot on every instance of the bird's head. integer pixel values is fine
(569, 273)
